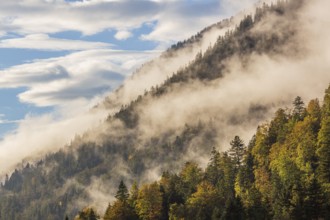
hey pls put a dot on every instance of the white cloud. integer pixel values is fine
(73, 84)
(180, 20)
(40, 134)
(123, 35)
(175, 20)
(78, 76)
(29, 17)
(76, 82)
(44, 42)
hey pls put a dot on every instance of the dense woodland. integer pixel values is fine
(283, 173)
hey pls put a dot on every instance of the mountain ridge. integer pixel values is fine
(179, 120)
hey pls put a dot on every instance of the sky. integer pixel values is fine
(58, 57)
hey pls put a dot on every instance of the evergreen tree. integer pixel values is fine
(313, 201)
(237, 151)
(299, 110)
(122, 193)
(121, 208)
(87, 214)
(323, 151)
(213, 170)
(190, 175)
(277, 127)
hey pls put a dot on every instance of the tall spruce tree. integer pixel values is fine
(122, 193)
(299, 110)
(323, 151)
(237, 150)
(121, 209)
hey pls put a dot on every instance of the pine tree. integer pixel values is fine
(237, 151)
(299, 110)
(121, 209)
(323, 151)
(213, 170)
(122, 193)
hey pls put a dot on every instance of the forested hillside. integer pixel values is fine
(172, 128)
(282, 173)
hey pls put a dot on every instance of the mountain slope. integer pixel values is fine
(226, 90)
(281, 174)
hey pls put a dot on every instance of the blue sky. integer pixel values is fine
(57, 53)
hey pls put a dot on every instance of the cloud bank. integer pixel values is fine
(81, 75)
(75, 82)
(39, 16)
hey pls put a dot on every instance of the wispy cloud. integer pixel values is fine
(5, 121)
(75, 82)
(44, 42)
(175, 20)
(77, 76)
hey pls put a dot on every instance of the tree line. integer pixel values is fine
(282, 173)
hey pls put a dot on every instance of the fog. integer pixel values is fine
(261, 81)
(38, 135)
(270, 81)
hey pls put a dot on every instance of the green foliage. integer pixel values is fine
(237, 151)
(299, 110)
(284, 173)
(277, 128)
(122, 193)
(190, 176)
(122, 208)
(280, 175)
(213, 171)
(323, 150)
(200, 204)
(87, 214)
(149, 202)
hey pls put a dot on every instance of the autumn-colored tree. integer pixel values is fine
(201, 204)
(120, 210)
(134, 192)
(149, 202)
(261, 156)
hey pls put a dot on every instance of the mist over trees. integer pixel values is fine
(282, 173)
